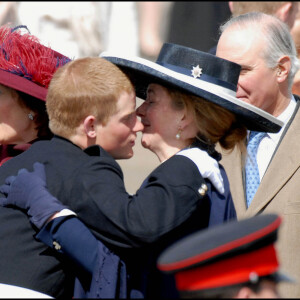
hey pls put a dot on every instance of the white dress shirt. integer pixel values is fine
(269, 142)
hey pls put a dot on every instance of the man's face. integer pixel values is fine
(257, 83)
(118, 136)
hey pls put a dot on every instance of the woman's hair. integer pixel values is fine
(215, 124)
(38, 108)
(277, 36)
(83, 87)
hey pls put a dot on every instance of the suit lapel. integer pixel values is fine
(278, 173)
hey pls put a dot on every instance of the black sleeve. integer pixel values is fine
(167, 199)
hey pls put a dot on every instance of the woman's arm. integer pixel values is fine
(68, 235)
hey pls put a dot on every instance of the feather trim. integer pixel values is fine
(25, 56)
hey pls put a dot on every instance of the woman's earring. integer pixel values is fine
(178, 135)
(30, 116)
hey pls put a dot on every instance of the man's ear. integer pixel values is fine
(283, 68)
(89, 125)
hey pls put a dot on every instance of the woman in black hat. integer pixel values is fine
(191, 96)
(190, 105)
(26, 67)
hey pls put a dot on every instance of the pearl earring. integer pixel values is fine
(178, 135)
(30, 116)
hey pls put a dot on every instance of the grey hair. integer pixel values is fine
(277, 36)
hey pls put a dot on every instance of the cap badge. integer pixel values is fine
(197, 71)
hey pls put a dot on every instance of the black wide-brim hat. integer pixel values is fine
(228, 254)
(199, 73)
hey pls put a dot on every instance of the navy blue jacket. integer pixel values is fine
(91, 183)
(132, 273)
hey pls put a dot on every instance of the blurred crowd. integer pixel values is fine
(81, 29)
(86, 28)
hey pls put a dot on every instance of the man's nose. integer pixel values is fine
(138, 125)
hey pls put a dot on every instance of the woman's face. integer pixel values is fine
(15, 125)
(160, 120)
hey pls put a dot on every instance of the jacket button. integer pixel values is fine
(202, 190)
(56, 245)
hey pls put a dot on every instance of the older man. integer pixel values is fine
(262, 44)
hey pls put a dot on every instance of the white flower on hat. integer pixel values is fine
(197, 71)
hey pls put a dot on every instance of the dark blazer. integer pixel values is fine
(91, 183)
(145, 280)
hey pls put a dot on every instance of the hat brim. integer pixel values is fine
(23, 85)
(143, 72)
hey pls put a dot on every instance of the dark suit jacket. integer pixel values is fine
(110, 276)
(91, 183)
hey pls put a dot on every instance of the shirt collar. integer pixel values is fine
(285, 116)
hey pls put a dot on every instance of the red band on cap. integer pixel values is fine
(230, 271)
(184, 263)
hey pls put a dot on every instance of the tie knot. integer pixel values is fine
(255, 137)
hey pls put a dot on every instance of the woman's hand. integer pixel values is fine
(207, 166)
